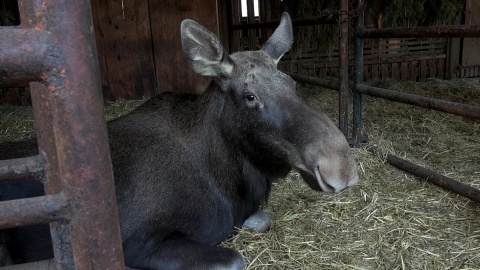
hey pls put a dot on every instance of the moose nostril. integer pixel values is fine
(354, 181)
(336, 186)
(330, 188)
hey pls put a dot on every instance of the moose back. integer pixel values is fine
(190, 168)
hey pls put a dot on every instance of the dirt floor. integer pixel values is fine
(391, 219)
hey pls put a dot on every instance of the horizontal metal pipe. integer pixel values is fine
(328, 19)
(24, 55)
(330, 84)
(37, 210)
(41, 265)
(19, 168)
(422, 32)
(433, 177)
(421, 101)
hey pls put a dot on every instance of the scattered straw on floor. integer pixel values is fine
(391, 219)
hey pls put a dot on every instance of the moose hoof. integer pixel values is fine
(258, 222)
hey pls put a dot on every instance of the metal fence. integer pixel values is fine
(54, 49)
(426, 102)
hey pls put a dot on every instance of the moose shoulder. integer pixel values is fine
(190, 168)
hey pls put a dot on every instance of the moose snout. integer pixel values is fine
(337, 175)
(339, 185)
(330, 171)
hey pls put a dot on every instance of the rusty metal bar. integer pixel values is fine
(433, 177)
(22, 167)
(37, 210)
(343, 68)
(422, 32)
(358, 75)
(66, 95)
(24, 55)
(325, 83)
(41, 265)
(327, 19)
(421, 101)
(436, 104)
(70, 110)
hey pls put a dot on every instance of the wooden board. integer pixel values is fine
(471, 46)
(397, 59)
(173, 73)
(124, 46)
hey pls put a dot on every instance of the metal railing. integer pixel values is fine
(54, 49)
(420, 101)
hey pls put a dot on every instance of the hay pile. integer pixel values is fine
(391, 220)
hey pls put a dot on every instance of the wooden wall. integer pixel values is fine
(139, 45)
(140, 54)
(172, 72)
(124, 46)
(397, 59)
(470, 55)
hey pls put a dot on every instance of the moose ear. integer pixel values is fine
(204, 51)
(281, 40)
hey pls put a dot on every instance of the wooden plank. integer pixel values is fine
(423, 69)
(223, 27)
(28, 95)
(252, 33)
(471, 46)
(265, 16)
(173, 73)
(374, 71)
(412, 71)
(124, 46)
(441, 71)
(366, 73)
(431, 69)
(235, 17)
(13, 97)
(396, 71)
(384, 71)
(404, 71)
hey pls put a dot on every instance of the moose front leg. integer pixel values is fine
(260, 221)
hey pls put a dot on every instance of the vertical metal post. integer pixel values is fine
(55, 48)
(358, 73)
(343, 67)
(72, 97)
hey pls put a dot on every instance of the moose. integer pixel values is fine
(190, 168)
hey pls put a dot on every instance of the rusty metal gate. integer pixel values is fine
(54, 49)
(416, 100)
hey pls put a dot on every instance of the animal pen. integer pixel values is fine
(79, 208)
(342, 19)
(436, 104)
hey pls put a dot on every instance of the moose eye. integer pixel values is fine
(250, 97)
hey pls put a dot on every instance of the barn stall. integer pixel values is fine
(391, 220)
